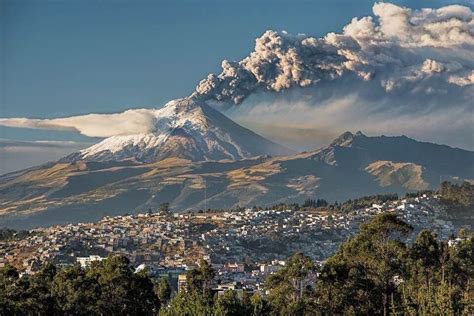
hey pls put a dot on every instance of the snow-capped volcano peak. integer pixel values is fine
(185, 128)
(181, 113)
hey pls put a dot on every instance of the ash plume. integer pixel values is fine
(399, 46)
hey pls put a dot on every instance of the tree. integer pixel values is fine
(343, 287)
(459, 195)
(382, 252)
(438, 277)
(7, 233)
(76, 291)
(246, 302)
(40, 297)
(259, 305)
(229, 304)
(121, 290)
(9, 296)
(165, 209)
(199, 280)
(362, 275)
(290, 289)
(321, 203)
(188, 304)
(163, 290)
(367, 201)
(460, 272)
(107, 288)
(375, 272)
(309, 203)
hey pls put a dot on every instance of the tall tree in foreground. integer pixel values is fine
(163, 290)
(109, 287)
(290, 289)
(199, 280)
(197, 298)
(188, 304)
(10, 291)
(439, 276)
(361, 277)
(77, 291)
(229, 304)
(121, 290)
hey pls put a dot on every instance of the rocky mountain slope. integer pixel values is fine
(353, 165)
(184, 128)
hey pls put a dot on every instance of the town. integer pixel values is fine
(243, 245)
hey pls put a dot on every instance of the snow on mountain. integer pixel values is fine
(185, 128)
(352, 165)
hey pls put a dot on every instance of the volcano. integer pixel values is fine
(184, 128)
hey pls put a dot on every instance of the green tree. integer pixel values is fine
(77, 292)
(40, 297)
(9, 296)
(199, 280)
(165, 208)
(361, 276)
(438, 277)
(229, 304)
(121, 290)
(342, 286)
(188, 304)
(460, 273)
(259, 305)
(246, 302)
(290, 290)
(459, 195)
(163, 290)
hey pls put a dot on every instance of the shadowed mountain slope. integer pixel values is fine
(351, 166)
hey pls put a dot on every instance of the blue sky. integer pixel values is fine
(69, 57)
(62, 58)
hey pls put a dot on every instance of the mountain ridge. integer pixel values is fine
(352, 165)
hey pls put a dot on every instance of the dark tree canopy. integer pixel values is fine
(107, 288)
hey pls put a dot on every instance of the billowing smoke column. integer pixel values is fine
(279, 62)
(405, 47)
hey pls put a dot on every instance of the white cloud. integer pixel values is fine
(93, 125)
(432, 66)
(444, 27)
(463, 80)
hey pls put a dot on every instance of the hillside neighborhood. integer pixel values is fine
(244, 245)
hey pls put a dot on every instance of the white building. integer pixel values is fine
(86, 261)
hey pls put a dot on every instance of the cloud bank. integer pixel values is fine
(93, 125)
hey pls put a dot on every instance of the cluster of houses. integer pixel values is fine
(245, 246)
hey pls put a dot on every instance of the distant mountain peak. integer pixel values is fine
(346, 139)
(184, 128)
